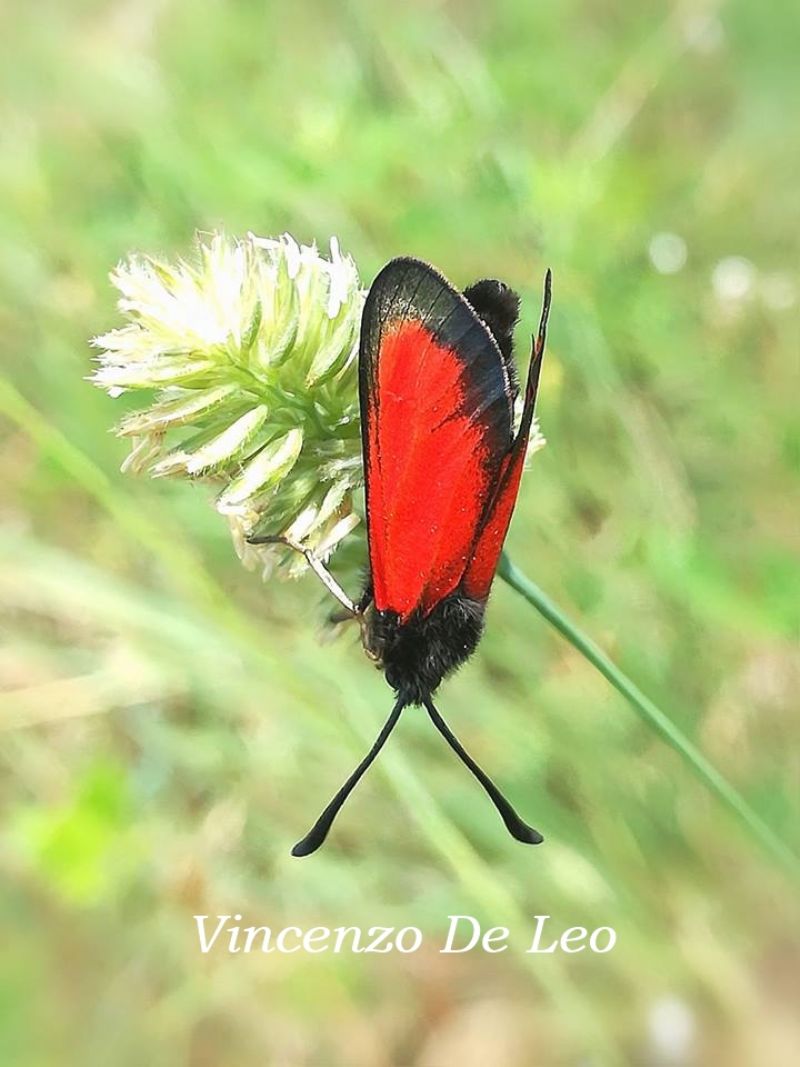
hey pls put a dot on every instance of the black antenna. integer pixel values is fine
(319, 831)
(515, 826)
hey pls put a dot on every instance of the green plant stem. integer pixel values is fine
(650, 713)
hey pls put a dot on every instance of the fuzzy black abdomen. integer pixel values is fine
(417, 655)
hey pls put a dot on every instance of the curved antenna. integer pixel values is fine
(515, 826)
(319, 831)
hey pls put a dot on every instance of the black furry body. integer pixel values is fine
(497, 306)
(418, 654)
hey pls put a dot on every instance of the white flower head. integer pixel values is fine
(250, 352)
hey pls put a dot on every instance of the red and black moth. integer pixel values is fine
(442, 469)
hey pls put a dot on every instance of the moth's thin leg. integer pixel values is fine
(316, 566)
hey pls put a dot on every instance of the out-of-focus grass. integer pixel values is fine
(170, 726)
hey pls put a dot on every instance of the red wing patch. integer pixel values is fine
(478, 577)
(436, 426)
(430, 472)
(488, 545)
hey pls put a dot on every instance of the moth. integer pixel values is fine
(442, 470)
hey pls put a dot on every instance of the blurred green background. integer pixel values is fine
(170, 725)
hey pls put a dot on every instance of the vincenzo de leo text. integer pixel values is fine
(226, 934)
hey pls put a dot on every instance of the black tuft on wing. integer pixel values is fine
(497, 306)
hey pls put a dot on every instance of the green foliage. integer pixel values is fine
(76, 847)
(493, 140)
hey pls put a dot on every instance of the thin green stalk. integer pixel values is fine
(651, 714)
